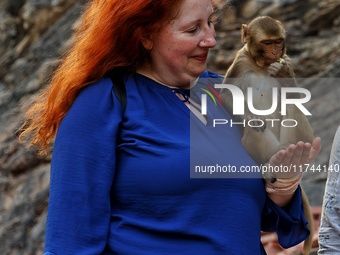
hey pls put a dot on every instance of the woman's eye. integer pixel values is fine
(212, 20)
(211, 23)
(192, 30)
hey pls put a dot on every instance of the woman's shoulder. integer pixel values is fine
(97, 89)
(211, 74)
(93, 106)
(95, 97)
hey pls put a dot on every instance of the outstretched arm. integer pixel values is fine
(295, 155)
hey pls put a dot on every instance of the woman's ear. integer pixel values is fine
(147, 42)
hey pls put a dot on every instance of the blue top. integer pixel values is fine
(122, 185)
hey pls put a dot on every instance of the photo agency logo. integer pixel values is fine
(280, 98)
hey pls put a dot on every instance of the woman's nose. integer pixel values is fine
(208, 39)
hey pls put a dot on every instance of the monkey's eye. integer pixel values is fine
(267, 42)
(278, 41)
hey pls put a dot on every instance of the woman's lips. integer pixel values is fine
(201, 57)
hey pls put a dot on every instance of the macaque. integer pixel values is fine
(262, 64)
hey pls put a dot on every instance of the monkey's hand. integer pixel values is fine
(281, 69)
(257, 122)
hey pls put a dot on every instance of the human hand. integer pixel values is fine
(294, 157)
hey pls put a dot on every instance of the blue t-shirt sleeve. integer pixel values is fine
(82, 172)
(289, 222)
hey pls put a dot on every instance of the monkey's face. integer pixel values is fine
(272, 49)
(265, 39)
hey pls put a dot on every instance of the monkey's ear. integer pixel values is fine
(244, 34)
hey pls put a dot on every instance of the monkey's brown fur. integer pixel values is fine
(256, 65)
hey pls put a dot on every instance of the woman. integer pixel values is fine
(120, 179)
(330, 227)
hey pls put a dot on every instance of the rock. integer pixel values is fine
(28, 54)
(33, 34)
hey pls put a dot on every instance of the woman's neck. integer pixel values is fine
(147, 71)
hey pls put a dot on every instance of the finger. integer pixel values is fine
(277, 158)
(316, 147)
(306, 153)
(287, 159)
(298, 153)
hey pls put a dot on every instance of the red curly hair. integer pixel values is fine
(109, 37)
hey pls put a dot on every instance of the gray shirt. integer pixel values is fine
(329, 234)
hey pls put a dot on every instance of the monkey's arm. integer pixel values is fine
(283, 71)
(281, 68)
(261, 91)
